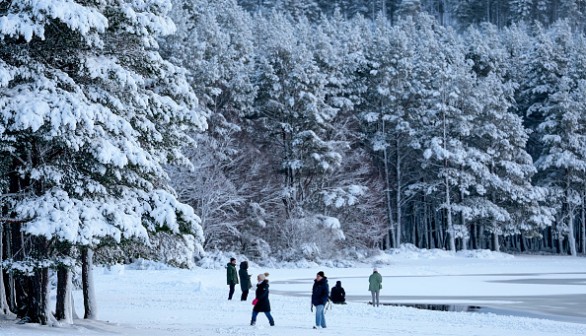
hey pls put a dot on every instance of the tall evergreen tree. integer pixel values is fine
(90, 115)
(556, 109)
(388, 107)
(294, 111)
(214, 42)
(510, 168)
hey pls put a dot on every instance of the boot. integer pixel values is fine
(252, 322)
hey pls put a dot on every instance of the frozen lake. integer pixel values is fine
(559, 296)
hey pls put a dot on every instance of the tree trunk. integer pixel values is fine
(89, 301)
(560, 244)
(4, 307)
(495, 237)
(449, 217)
(41, 311)
(439, 227)
(427, 225)
(63, 308)
(23, 285)
(583, 225)
(10, 278)
(391, 234)
(570, 208)
(466, 237)
(38, 310)
(398, 198)
(571, 234)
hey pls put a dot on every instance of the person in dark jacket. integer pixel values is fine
(338, 294)
(231, 276)
(262, 300)
(319, 298)
(245, 283)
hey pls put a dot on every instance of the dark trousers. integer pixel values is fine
(268, 314)
(244, 295)
(231, 293)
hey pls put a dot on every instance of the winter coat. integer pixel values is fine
(375, 282)
(231, 274)
(262, 294)
(245, 283)
(321, 292)
(338, 294)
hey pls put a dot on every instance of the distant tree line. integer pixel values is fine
(348, 130)
(458, 13)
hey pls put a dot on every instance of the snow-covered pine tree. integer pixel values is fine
(574, 11)
(294, 117)
(560, 128)
(545, 68)
(387, 109)
(256, 5)
(505, 202)
(90, 115)
(298, 8)
(464, 105)
(408, 8)
(214, 42)
(441, 88)
(349, 192)
(522, 10)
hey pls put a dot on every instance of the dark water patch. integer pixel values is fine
(435, 307)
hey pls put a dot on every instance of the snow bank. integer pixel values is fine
(352, 257)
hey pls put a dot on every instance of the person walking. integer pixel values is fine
(231, 277)
(261, 302)
(245, 283)
(319, 298)
(338, 294)
(375, 281)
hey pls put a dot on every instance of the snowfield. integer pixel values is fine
(152, 299)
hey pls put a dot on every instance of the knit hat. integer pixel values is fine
(261, 277)
(232, 259)
(321, 274)
(375, 269)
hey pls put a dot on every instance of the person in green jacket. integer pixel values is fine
(375, 284)
(232, 276)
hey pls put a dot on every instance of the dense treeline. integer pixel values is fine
(346, 131)
(459, 13)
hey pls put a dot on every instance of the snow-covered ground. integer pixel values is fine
(154, 300)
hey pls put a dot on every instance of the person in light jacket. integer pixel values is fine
(375, 284)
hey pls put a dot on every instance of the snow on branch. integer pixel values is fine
(28, 18)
